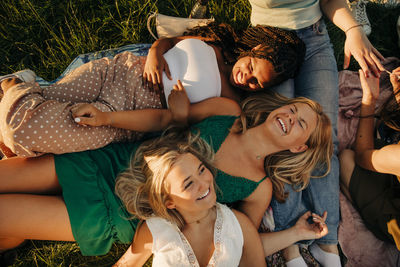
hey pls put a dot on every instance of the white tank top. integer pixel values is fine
(195, 64)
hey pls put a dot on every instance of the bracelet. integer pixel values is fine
(354, 26)
(367, 116)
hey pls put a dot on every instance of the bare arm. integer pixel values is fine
(145, 120)
(357, 43)
(302, 230)
(386, 159)
(148, 120)
(252, 254)
(213, 106)
(155, 62)
(140, 249)
(255, 205)
(395, 80)
(364, 144)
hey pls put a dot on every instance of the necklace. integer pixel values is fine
(202, 218)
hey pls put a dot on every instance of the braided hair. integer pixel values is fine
(221, 35)
(281, 47)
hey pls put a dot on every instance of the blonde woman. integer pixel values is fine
(270, 128)
(170, 184)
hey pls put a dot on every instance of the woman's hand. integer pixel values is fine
(315, 230)
(153, 69)
(358, 46)
(370, 87)
(179, 103)
(395, 79)
(88, 115)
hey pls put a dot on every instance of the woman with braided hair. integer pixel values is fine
(85, 109)
(257, 58)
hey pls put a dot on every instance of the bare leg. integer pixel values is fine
(330, 248)
(291, 252)
(347, 164)
(24, 216)
(29, 175)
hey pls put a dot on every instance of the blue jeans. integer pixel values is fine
(317, 80)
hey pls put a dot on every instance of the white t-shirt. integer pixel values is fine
(171, 248)
(285, 14)
(195, 64)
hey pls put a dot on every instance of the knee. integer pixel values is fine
(347, 164)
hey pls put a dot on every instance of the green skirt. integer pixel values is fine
(98, 218)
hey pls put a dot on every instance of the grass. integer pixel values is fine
(46, 35)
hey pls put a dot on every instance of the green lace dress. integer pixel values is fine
(98, 218)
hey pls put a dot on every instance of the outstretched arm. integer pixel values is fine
(145, 120)
(357, 43)
(302, 230)
(148, 120)
(139, 251)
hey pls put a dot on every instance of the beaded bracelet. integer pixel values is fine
(354, 26)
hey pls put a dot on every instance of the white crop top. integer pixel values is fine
(195, 64)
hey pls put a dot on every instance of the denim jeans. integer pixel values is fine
(317, 80)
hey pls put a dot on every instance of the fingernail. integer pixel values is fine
(77, 120)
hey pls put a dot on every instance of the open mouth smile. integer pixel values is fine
(239, 78)
(283, 126)
(204, 195)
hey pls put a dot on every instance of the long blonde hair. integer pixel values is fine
(141, 187)
(284, 166)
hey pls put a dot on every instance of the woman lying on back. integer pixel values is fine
(271, 129)
(108, 93)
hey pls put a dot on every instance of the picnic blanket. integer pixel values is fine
(137, 49)
(350, 94)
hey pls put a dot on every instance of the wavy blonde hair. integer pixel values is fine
(284, 166)
(141, 186)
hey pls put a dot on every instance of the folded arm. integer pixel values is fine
(156, 63)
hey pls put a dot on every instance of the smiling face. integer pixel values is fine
(252, 74)
(190, 185)
(291, 126)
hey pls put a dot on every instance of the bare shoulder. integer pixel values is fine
(242, 218)
(263, 189)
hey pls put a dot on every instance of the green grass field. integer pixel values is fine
(46, 35)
